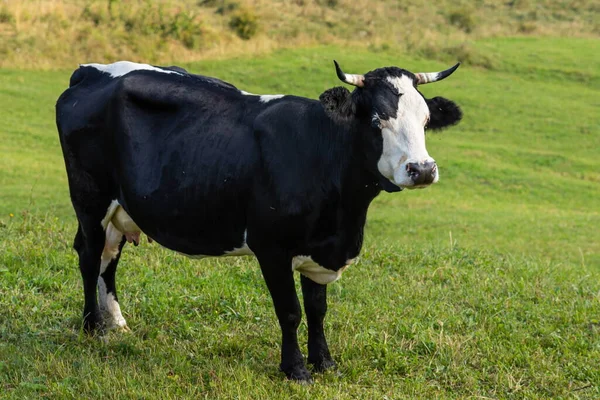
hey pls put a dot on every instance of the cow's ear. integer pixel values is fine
(443, 113)
(337, 103)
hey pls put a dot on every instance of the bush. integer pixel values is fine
(463, 18)
(5, 16)
(227, 7)
(147, 20)
(244, 23)
(328, 3)
(186, 28)
(527, 27)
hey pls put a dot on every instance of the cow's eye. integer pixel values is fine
(395, 91)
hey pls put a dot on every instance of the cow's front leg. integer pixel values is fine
(315, 306)
(279, 277)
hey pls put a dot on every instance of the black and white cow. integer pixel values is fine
(208, 170)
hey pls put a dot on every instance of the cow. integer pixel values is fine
(206, 169)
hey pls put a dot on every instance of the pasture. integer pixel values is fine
(486, 285)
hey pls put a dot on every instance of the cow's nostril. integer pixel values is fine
(412, 168)
(421, 173)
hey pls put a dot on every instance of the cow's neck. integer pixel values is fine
(333, 245)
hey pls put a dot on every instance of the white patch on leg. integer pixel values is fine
(323, 276)
(106, 301)
(111, 246)
(110, 307)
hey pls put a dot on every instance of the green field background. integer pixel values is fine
(486, 285)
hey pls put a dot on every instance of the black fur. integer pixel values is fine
(337, 103)
(443, 113)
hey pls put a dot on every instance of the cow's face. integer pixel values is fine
(389, 101)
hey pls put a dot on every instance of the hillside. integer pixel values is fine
(63, 33)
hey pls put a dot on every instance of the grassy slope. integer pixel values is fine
(486, 284)
(35, 34)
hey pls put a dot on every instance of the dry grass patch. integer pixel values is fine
(63, 33)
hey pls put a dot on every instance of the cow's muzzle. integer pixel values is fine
(422, 173)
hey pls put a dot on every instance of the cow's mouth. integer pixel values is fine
(389, 186)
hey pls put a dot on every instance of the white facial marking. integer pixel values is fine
(323, 276)
(404, 135)
(121, 68)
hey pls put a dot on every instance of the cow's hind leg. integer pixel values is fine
(315, 306)
(107, 292)
(279, 277)
(89, 242)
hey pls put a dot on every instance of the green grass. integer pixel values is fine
(484, 285)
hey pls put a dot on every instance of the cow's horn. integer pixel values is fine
(350, 79)
(428, 77)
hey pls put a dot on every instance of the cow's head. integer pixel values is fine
(387, 99)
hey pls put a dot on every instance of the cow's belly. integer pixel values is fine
(201, 243)
(303, 264)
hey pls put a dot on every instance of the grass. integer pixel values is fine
(35, 34)
(485, 285)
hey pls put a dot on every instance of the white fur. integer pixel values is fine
(265, 98)
(110, 307)
(111, 246)
(243, 250)
(106, 301)
(121, 68)
(404, 136)
(309, 268)
(109, 213)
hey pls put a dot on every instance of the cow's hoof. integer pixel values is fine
(114, 324)
(121, 328)
(298, 373)
(92, 324)
(323, 365)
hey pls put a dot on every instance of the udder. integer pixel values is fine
(123, 223)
